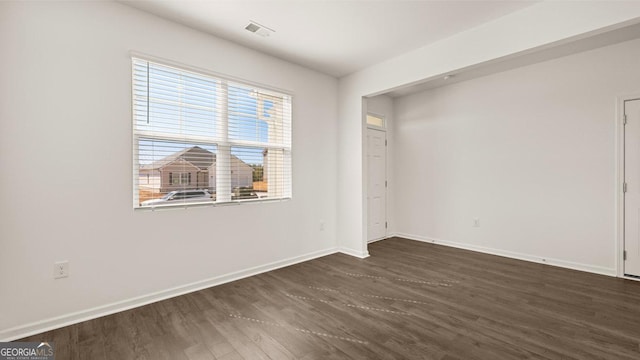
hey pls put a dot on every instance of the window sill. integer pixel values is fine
(206, 204)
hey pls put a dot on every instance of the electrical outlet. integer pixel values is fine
(60, 269)
(476, 222)
(321, 225)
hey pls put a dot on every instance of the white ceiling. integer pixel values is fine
(333, 37)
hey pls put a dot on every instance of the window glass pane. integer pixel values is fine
(375, 120)
(173, 102)
(259, 173)
(247, 120)
(168, 170)
(247, 173)
(257, 116)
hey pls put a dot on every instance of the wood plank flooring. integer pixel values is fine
(409, 300)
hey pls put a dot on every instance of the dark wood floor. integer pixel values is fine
(409, 300)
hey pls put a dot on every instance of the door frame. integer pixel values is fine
(386, 175)
(620, 167)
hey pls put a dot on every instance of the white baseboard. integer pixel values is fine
(514, 255)
(37, 327)
(352, 252)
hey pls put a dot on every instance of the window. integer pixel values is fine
(180, 178)
(375, 120)
(205, 139)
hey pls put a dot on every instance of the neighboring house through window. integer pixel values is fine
(197, 131)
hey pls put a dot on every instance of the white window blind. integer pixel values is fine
(205, 139)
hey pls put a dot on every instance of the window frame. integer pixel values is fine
(184, 178)
(286, 146)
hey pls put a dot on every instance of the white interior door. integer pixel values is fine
(376, 189)
(632, 185)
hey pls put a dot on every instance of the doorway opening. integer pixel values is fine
(376, 178)
(630, 194)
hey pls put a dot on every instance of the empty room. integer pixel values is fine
(444, 180)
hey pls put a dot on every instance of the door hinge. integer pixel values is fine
(385, 142)
(385, 183)
(624, 119)
(386, 224)
(624, 255)
(624, 187)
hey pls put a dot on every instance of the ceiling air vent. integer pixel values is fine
(258, 29)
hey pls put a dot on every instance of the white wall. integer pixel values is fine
(531, 152)
(65, 111)
(539, 26)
